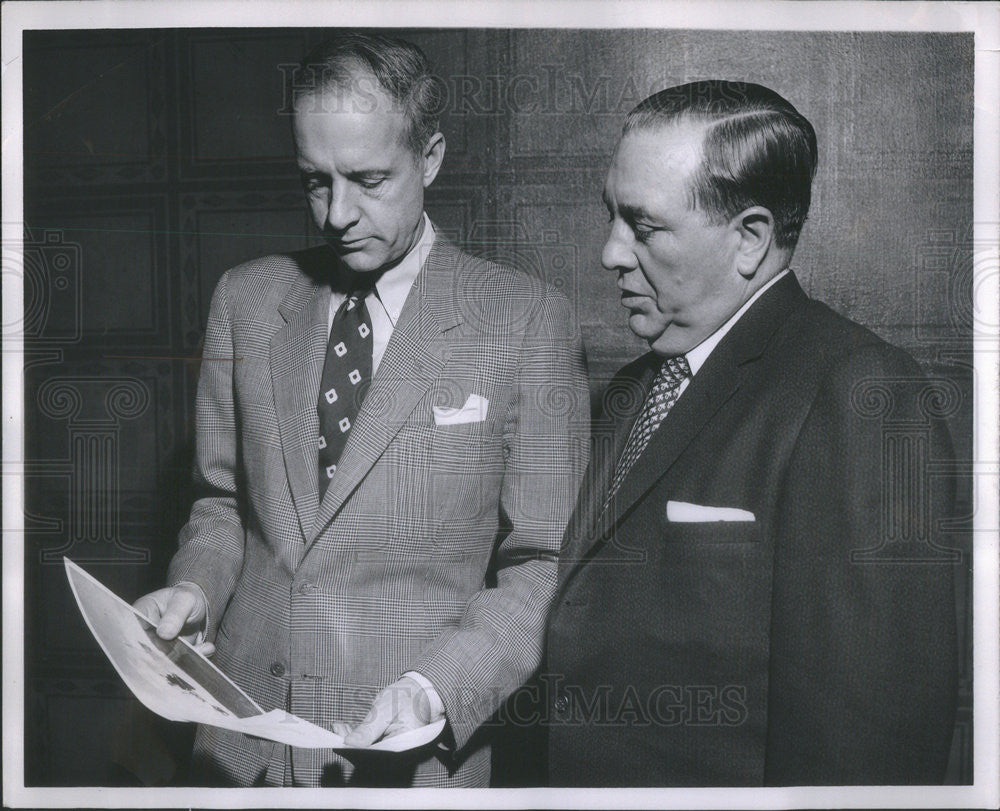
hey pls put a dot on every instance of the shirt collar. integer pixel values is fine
(696, 357)
(394, 285)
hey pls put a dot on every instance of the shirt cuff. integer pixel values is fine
(437, 706)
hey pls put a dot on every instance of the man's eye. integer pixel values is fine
(372, 183)
(642, 233)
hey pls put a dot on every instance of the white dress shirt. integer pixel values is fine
(696, 357)
(386, 301)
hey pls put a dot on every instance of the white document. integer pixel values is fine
(173, 680)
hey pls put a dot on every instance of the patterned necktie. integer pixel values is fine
(347, 374)
(661, 398)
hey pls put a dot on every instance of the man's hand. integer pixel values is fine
(177, 611)
(400, 707)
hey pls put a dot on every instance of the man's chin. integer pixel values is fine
(640, 324)
(666, 341)
(358, 261)
(670, 344)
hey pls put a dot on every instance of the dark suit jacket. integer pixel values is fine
(813, 645)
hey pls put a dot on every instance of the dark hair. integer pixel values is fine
(757, 149)
(399, 68)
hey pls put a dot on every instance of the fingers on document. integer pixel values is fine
(206, 649)
(370, 729)
(148, 607)
(362, 735)
(180, 607)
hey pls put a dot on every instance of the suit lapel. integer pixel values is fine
(717, 381)
(623, 400)
(705, 394)
(297, 353)
(413, 360)
(703, 397)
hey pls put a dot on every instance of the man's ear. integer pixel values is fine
(755, 227)
(432, 157)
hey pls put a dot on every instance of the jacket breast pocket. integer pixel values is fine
(466, 470)
(460, 442)
(711, 532)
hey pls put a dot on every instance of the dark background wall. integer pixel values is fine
(155, 159)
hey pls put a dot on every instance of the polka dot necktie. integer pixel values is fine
(347, 373)
(661, 398)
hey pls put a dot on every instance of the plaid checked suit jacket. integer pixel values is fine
(315, 606)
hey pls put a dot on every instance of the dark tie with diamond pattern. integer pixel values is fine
(661, 398)
(347, 373)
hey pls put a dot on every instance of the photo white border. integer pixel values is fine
(981, 18)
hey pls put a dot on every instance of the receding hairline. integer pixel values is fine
(705, 121)
(356, 72)
(345, 76)
(697, 127)
(343, 90)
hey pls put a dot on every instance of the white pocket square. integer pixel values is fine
(474, 410)
(682, 512)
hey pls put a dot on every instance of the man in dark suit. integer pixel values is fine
(750, 590)
(368, 413)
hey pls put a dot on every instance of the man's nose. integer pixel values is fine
(618, 254)
(343, 210)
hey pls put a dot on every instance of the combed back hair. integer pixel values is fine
(350, 60)
(757, 150)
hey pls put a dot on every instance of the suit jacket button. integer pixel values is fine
(562, 703)
(277, 669)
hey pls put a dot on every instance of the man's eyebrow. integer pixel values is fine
(634, 212)
(359, 174)
(367, 174)
(628, 211)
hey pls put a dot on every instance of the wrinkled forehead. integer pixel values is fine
(352, 115)
(360, 95)
(346, 84)
(654, 160)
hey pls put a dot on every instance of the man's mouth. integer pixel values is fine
(630, 298)
(351, 244)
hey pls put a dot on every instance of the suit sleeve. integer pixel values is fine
(863, 644)
(211, 543)
(498, 643)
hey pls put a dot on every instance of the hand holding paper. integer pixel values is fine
(178, 611)
(175, 680)
(401, 707)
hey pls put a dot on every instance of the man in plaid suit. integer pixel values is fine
(354, 591)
